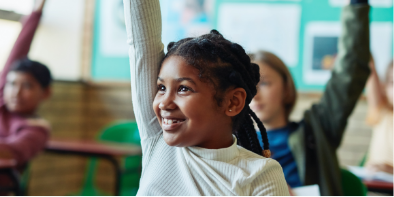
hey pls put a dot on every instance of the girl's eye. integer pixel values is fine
(184, 89)
(265, 83)
(161, 88)
(27, 86)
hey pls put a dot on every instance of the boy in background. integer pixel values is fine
(24, 84)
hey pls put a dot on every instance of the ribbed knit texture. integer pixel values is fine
(185, 171)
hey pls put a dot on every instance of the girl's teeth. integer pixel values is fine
(169, 121)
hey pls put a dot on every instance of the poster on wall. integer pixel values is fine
(185, 18)
(320, 49)
(112, 29)
(180, 19)
(260, 26)
(374, 3)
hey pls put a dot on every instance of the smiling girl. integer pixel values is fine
(307, 149)
(192, 109)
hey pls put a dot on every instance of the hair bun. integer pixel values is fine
(255, 72)
(170, 45)
(216, 32)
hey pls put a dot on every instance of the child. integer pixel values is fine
(24, 84)
(307, 149)
(380, 116)
(188, 103)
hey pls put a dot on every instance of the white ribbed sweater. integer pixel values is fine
(183, 171)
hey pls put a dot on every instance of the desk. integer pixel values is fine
(379, 186)
(103, 150)
(8, 167)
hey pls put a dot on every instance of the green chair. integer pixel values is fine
(127, 133)
(25, 178)
(363, 160)
(352, 185)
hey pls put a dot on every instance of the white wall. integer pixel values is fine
(9, 30)
(58, 41)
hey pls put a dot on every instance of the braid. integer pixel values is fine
(263, 131)
(225, 64)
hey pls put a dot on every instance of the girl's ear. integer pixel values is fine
(236, 101)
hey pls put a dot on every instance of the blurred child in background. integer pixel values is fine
(307, 149)
(24, 84)
(380, 116)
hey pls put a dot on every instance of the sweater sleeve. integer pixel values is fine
(21, 47)
(349, 76)
(26, 143)
(143, 25)
(272, 183)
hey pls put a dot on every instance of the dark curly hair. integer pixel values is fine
(226, 65)
(39, 71)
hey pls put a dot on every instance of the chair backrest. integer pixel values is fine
(363, 160)
(119, 132)
(352, 185)
(123, 132)
(126, 132)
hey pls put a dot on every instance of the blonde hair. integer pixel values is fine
(279, 66)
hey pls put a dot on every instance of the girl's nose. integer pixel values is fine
(167, 103)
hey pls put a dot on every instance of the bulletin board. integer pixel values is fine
(292, 29)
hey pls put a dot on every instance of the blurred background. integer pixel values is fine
(83, 42)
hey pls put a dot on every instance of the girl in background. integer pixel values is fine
(192, 109)
(307, 149)
(380, 116)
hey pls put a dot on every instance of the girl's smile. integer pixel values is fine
(171, 124)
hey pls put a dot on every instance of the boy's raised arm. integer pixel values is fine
(143, 25)
(349, 75)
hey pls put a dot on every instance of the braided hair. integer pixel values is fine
(225, 64)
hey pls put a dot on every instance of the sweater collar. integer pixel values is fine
(222, 154)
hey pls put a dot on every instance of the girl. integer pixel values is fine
(306, 150)
(380, 116)
(188, 103)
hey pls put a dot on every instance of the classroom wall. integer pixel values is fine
(9, 31)
(286, 27)
(58, 40)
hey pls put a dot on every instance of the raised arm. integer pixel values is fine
(348, 77)
(22, 44)
(143, 25)
(375, 95)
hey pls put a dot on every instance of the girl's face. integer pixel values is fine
(389, 87)
(186, 108)
(268, 102)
